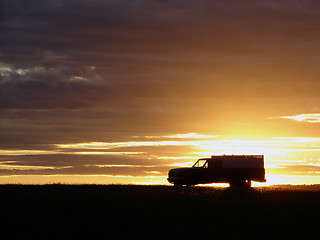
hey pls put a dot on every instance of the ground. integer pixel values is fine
(158, 212)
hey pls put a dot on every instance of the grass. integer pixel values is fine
(158, 212)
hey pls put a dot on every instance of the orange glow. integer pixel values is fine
(281, 153)
(82, 179)
(287, 159)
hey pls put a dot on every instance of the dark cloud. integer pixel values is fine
(156, 49)
(48, 88)
(141, 35)
(77, 160)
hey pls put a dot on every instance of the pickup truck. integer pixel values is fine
(237, 170)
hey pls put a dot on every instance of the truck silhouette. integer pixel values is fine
(237, 170)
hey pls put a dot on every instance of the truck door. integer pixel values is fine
(215, 164)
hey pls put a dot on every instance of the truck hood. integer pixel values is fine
(177, 171)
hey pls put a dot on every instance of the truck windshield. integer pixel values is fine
(201, 163)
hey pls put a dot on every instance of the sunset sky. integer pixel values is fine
(121, 91)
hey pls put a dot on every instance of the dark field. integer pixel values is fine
(158, 212)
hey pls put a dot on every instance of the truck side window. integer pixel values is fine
(201, 164)
(205, 165)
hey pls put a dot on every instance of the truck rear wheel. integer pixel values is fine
(240, 184)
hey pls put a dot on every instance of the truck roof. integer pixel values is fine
(239, 161)
(236, 156)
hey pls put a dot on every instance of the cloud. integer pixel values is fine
(309, 117)
(41, 87)
(74, 163)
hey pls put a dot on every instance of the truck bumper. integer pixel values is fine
(175, 179)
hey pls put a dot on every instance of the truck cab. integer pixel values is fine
(237, 170)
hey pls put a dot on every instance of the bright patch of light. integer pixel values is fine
(120, 165)
(185, 164)
(26, 152)
(298, 139)
(26, 167)
(106, 145)
(186, 135)
(78, 79)
(177, 158)
(107, 153)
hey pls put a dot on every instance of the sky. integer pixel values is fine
(119, 91)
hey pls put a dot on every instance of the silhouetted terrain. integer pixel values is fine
(158, 212)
